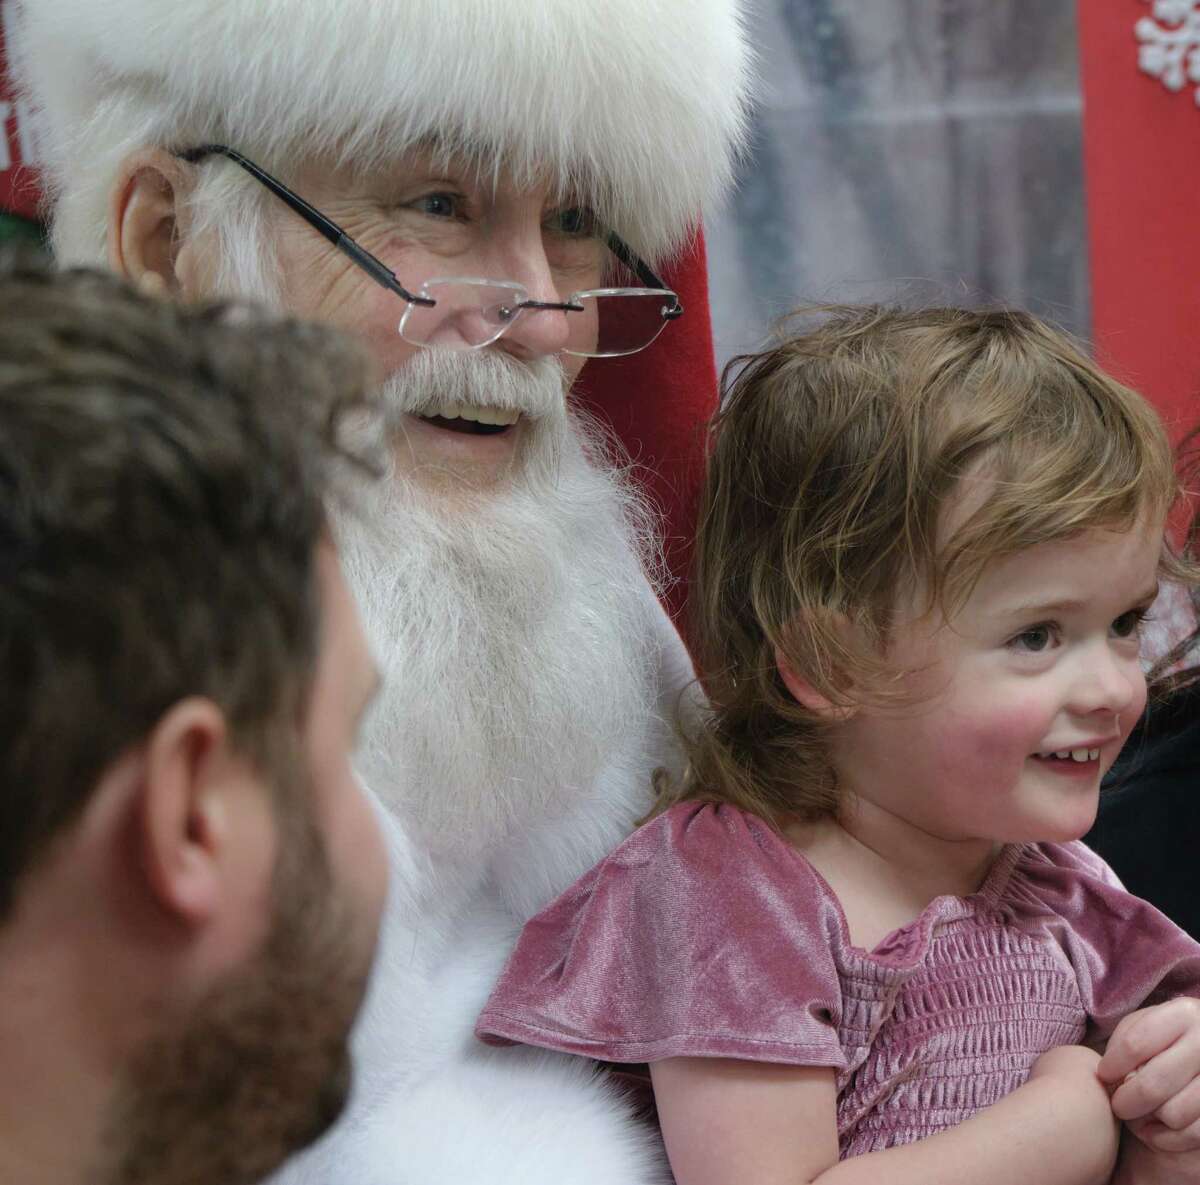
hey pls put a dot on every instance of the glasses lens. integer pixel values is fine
(468, 313)
(627, 319)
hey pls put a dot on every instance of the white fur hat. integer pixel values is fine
(641, 104)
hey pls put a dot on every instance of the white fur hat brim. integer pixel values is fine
(639, 104)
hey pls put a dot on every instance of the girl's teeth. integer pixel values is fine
(1075, 754)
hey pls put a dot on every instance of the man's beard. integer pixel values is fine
(511, 619)
(259, 1067)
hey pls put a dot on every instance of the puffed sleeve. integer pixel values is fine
(1125, 953)
(704, 934)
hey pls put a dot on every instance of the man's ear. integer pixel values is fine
(805, 694)
(144, 220)
(181, 815)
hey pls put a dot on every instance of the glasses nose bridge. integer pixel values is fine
(540, 327)
(553, 306)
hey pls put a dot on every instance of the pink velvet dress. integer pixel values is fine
(706, 934)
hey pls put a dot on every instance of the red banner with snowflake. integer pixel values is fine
(1141, 81)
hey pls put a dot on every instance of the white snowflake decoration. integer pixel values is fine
(1170, 43)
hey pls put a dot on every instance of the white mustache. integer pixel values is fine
(475, 378)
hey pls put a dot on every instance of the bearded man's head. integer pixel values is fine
(482, 192)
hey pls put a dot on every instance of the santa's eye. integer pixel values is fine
(575, 222)
(438, 205)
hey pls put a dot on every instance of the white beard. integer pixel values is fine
(527, 668)
(512, 624)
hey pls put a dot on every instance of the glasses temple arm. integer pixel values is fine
(641, 269)
(375, 268)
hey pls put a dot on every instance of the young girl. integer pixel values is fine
(860, 942)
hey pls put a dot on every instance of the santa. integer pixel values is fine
(489, 194)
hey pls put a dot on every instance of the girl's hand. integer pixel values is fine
(1153, 1060)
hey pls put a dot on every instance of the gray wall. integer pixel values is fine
(916, 148)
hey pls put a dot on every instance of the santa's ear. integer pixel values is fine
(805, 694)
(144, 220)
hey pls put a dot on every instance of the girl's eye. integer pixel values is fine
(1129, 624)
(1036, 639)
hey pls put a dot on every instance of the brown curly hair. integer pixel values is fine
(834, 455)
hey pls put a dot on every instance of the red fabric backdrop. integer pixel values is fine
(658, 402)
(18, 188)
(1142, 161)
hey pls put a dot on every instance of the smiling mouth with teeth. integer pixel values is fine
(1079, 756)
(474, 421)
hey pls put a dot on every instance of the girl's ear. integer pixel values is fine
(805, 694)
